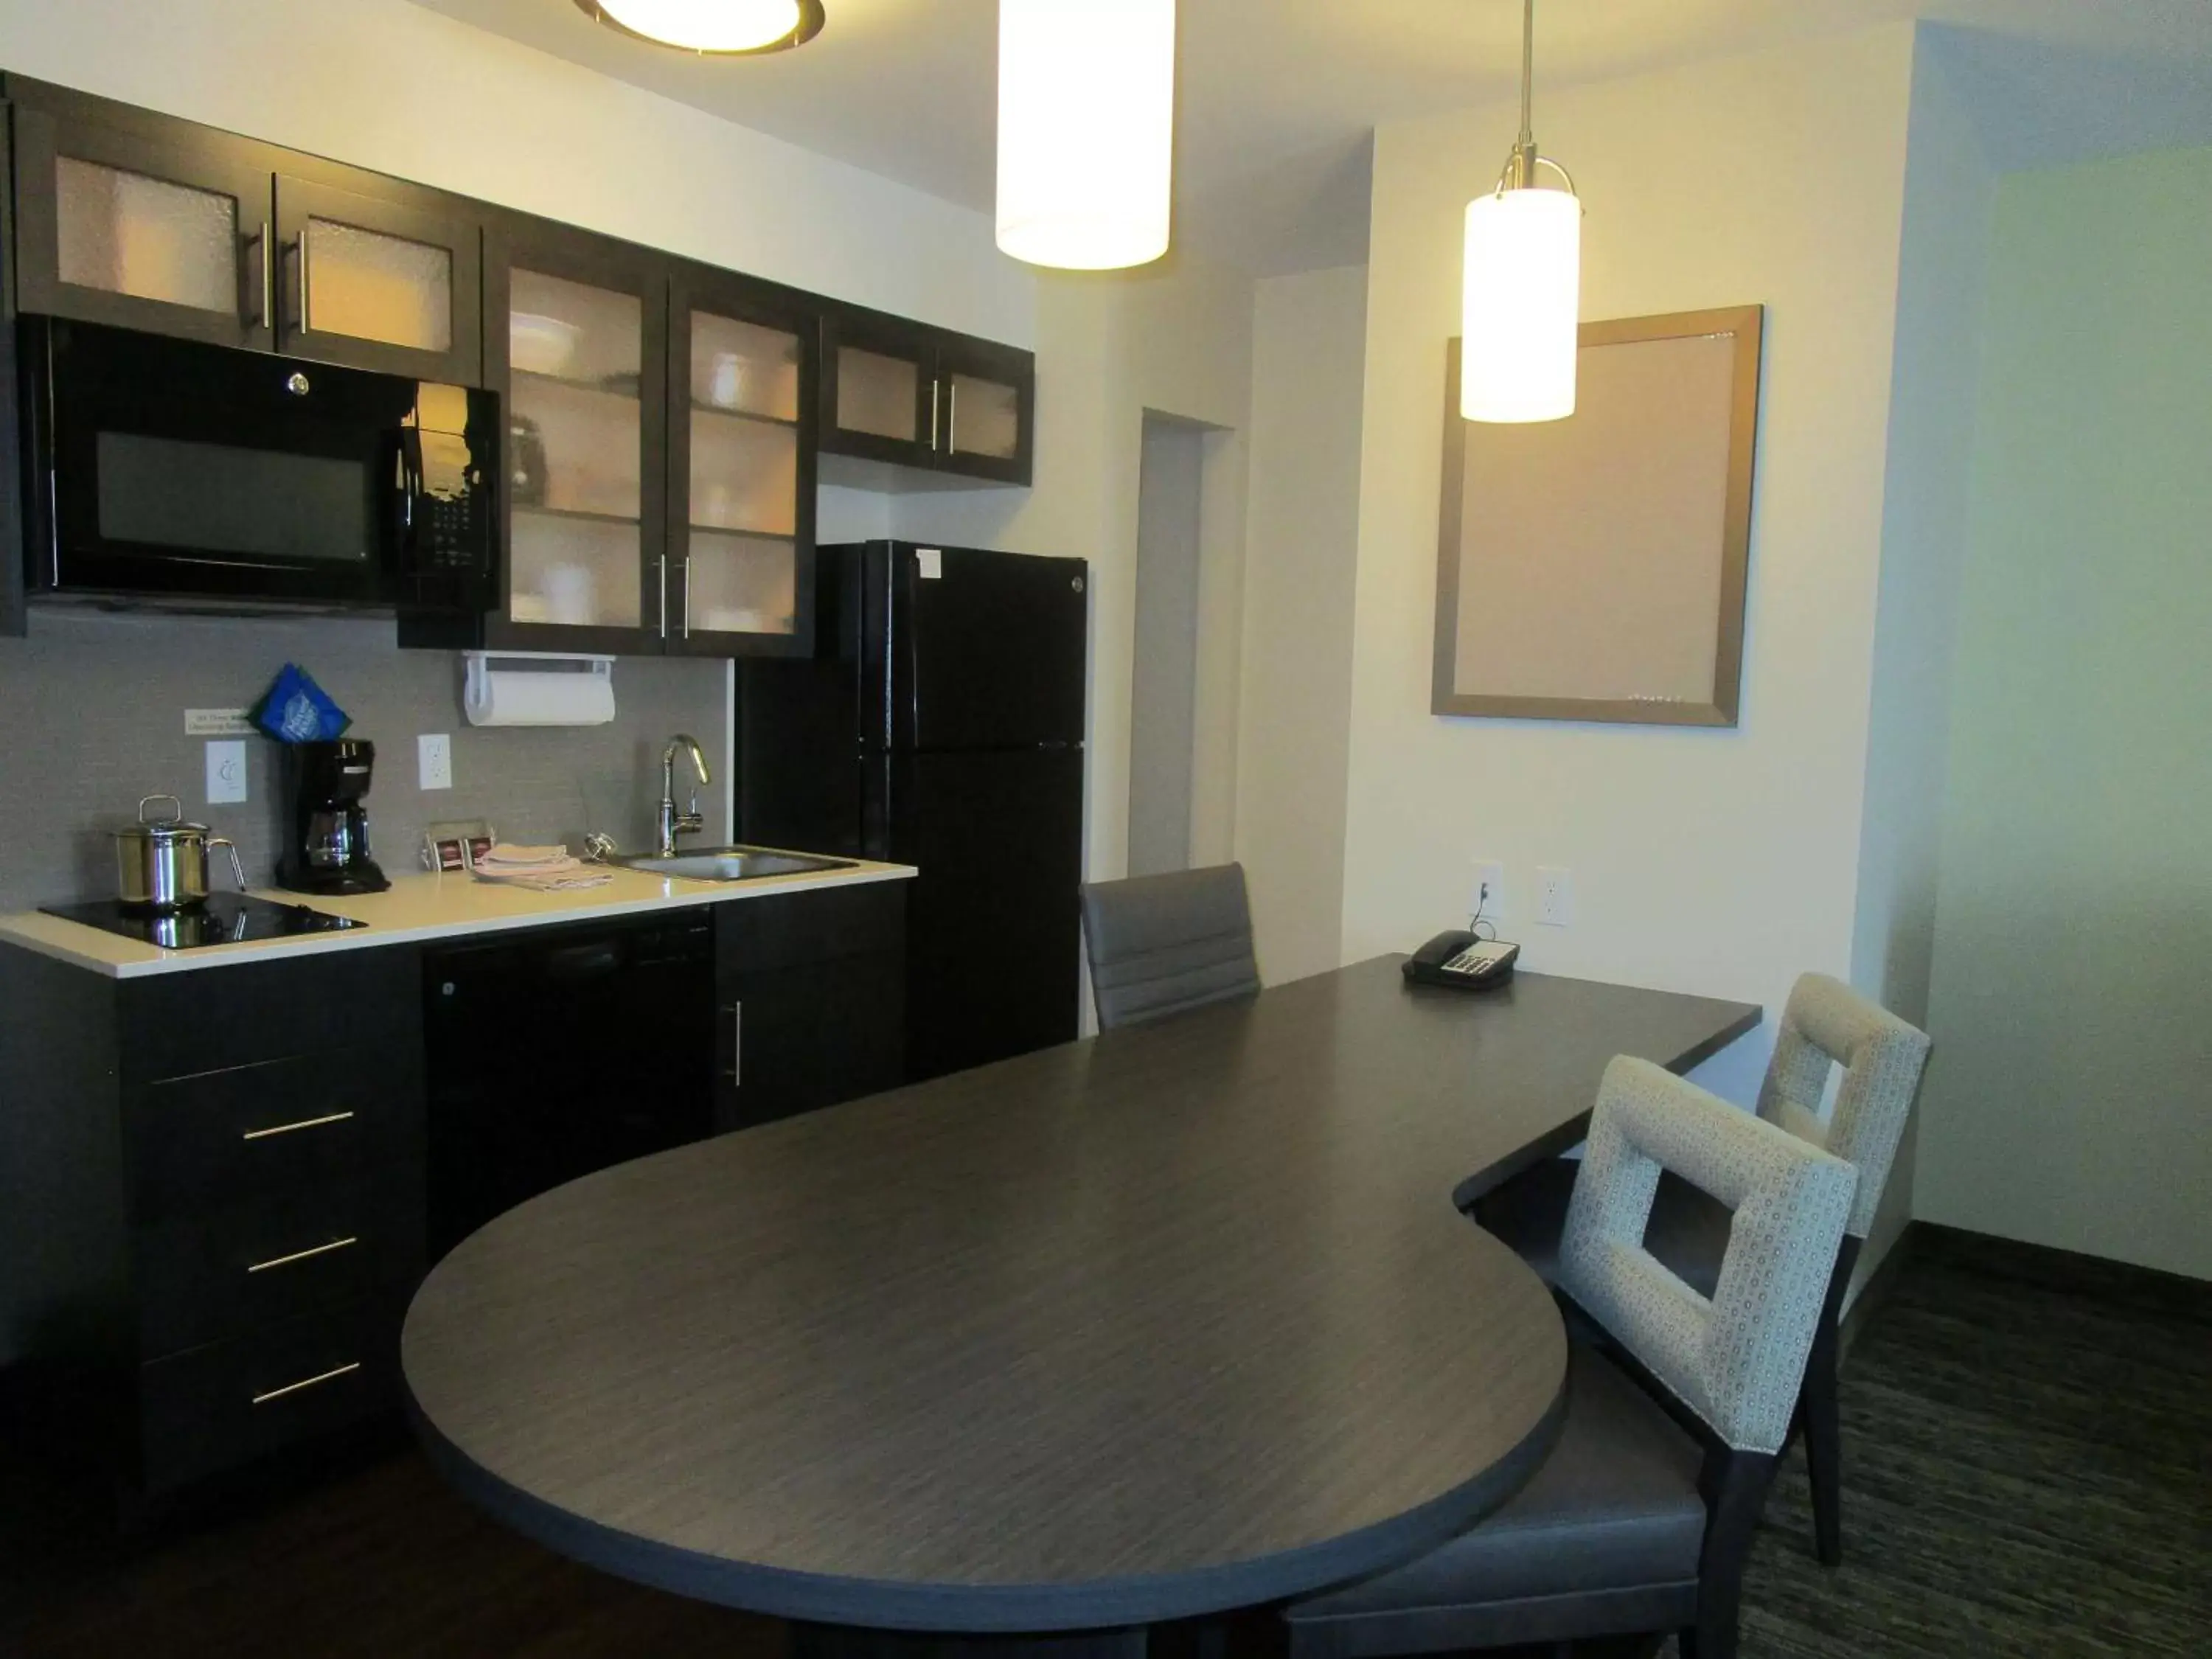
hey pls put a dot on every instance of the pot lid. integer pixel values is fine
(172, 827)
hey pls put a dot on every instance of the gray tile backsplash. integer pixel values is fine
(92, 718)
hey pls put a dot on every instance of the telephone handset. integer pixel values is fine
(1463, 962)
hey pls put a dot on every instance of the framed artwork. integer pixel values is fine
(1593, 569)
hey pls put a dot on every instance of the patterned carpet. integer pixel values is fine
(2027, 1440)
(2028, 1446)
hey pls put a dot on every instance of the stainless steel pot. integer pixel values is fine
(162, 864)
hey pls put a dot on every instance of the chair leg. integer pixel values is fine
(1824, 1443)
(1734, 1485)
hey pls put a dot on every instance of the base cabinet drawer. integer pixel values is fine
(215, 1406)
(261, 1261)
(270, 1128)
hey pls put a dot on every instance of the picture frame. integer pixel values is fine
(1595, 568)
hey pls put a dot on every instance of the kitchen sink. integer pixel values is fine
(733, 863)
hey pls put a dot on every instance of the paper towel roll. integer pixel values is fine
(526, 689)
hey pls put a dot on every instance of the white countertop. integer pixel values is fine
(419, 907)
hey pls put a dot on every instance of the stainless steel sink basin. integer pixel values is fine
(733, 863)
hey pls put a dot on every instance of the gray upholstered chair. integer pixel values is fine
(1641, 1521)
(1161, 945)
(1825, 1024)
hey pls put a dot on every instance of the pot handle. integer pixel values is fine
(237, 870)
(146, 801)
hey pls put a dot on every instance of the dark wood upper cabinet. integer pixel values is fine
(379, 284)
(12, 618)
(169, 234)
(741, 458)
(146, 221)
(578, 349)
(906, 394)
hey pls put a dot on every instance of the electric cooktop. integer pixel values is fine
(219, 919)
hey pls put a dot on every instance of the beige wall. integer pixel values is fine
(2069, 1099)
(1713, 861)
(1301, 555)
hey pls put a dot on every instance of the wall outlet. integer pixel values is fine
(225, 774)
(1486, 893)
(433, 758)
(1555, 895)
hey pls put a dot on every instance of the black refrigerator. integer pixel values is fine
(940, 724)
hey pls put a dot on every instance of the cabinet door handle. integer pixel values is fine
(664, 596)
(952, 418)
(687, 598)
(304, 1123)
(301, 1255)
(302, 245)
(261, 291)
(737, 1072)
(329, 1375)
(936, 390)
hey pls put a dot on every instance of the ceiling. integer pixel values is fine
(1277, 97)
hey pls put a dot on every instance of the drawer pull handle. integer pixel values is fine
(304, 1123)
(301, 1255)
(307, 1382)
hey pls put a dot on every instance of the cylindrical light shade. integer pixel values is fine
(1086, 130)
(1522, 300)
(706, 25)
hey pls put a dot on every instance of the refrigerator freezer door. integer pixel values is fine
(993, 922)
(988, 653)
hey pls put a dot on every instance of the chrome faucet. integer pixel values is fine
(670, 824)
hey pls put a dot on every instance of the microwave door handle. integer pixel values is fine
(410, 473)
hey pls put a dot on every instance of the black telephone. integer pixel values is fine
(1463, 962)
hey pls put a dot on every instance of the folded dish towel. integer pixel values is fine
(541, 869)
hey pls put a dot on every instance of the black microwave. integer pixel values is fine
(169, 470)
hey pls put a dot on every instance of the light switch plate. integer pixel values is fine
(225, 774)
(433, 758)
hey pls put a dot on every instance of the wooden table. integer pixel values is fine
(1174, 1321)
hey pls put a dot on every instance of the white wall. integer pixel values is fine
(1716, 861)
(2070, 1098)
(1301, 557)
(1949, 187)
(379, 83)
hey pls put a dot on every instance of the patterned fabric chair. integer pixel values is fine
(1161, 944)
(1825, 1024)
(1641, 1521)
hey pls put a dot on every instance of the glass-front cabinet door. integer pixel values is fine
(581, 336)
(880, 400)
(989, 394)
(378, 284)
(741, 477)
(172, 237)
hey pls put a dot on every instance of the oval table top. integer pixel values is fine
(1173, 1321)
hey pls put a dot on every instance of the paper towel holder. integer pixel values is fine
(537, 688)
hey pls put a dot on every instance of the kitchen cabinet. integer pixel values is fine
(214, 1198)
(147, 222)
(811, 994)
(741, 461)
(912, 396)
(580, 349)
(659, 459)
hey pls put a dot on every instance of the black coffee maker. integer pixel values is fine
(327, 843)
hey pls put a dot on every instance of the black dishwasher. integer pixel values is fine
(557, 1051)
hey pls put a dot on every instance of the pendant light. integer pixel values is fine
(1522, 298)
(722, 28)
(1086, 130)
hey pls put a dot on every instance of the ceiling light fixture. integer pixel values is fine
(723, 27)
(1522, 295)
(1086, 130)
